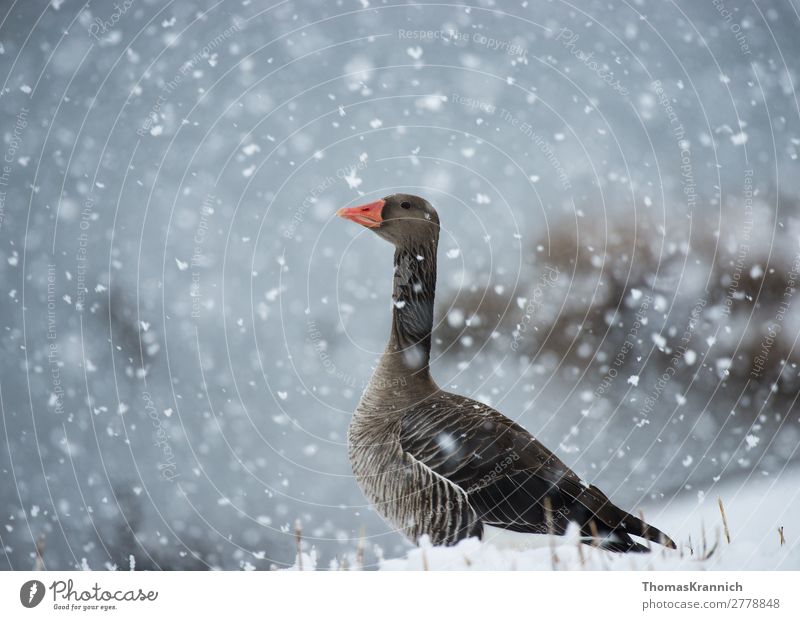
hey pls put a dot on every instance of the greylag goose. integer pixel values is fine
(443, 465)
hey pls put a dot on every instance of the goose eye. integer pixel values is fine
(405, 205)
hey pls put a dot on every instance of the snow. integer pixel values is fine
(739, 138)
(455, 318)
(414, 52)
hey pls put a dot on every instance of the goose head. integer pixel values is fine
(404, 220)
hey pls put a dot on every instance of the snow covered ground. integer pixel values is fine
(754, 509)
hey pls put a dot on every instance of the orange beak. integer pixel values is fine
(368, 215)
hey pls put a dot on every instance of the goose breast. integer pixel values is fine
(407, 493)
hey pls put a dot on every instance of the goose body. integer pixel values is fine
(443, 465)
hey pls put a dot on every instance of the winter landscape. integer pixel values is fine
(187, 327)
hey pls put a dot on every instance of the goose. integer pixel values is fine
(441, 465)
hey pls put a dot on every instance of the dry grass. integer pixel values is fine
(298, 539)
(548, 515)
(724, 520)
(38, 563)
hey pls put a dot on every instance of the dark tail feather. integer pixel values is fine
(637, 527)
(611, 528)
(618, 537)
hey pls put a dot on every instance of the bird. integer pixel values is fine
(441, 465)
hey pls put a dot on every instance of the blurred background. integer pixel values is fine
(186, 327)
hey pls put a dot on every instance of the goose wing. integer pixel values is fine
(511, 480)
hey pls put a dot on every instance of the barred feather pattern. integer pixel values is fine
(409, 495)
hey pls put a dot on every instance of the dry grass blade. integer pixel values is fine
(724, 520)
(596, 542)
(704, 545)
(360, 550)
(548, 516)
(710, 552)
(707, 553)
(595, 533)
(580, 553)
(39, 561)
(298, 539)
